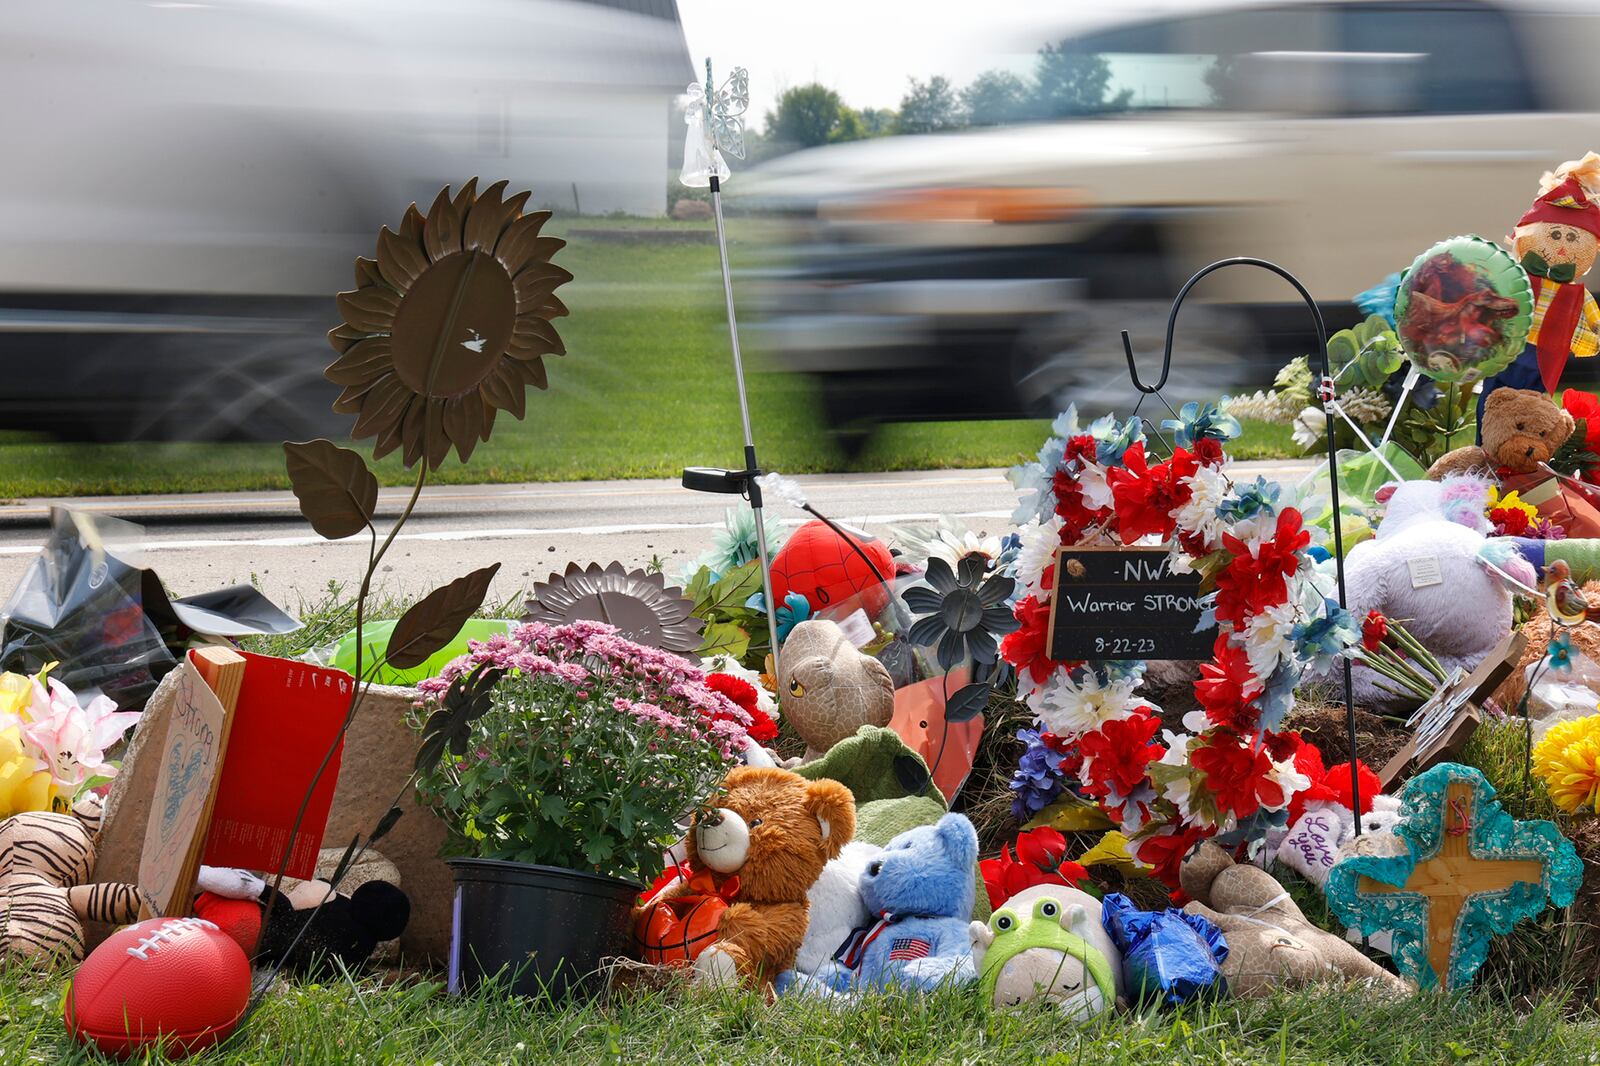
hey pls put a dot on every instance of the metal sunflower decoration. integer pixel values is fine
(642, 607)
(449, 324)
(961, 611)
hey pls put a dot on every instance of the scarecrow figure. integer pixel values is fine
(1556, 242)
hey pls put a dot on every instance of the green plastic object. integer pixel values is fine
(377, 638)
(1463, 310)
(1361, 475)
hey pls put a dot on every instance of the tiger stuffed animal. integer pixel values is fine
(45, 861)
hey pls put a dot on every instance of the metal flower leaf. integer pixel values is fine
(967, 703)
(961, 612)
(468, 698)
(642, 607)
(433, 621)
(338, 495)
(448, 325)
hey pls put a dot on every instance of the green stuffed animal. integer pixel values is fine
(1039, 947)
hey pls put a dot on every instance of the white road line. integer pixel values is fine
(501, 534)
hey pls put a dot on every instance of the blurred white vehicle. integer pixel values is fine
(987, 272)
(187, 184)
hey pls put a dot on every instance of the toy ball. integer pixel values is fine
(820, 565)
(676, 931)
(181, 983)
(1463, 310)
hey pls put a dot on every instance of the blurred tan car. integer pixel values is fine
(986, 272)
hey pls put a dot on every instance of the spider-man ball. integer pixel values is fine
(818, 563)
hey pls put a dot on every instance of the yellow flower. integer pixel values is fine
(1510, 502)
(1567, 760)
(23, 786)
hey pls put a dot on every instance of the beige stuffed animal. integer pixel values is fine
(1270, 943)
(829, 689)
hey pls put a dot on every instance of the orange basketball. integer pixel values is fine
(821, 566)
(675, 931)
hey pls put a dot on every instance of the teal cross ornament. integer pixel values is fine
(1466, 873)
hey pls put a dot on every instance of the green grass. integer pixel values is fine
(350, 1021)
(646, 389)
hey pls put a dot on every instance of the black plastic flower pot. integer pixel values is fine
(542, 929)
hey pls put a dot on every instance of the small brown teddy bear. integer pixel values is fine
(1270, 943)
(1521, 428)
(774, 832)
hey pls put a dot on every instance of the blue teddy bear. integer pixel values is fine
(921, 887)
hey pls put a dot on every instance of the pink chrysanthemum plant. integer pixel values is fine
(586, 753)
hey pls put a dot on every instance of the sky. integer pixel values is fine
(866, 49)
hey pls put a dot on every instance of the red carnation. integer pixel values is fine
(1208, 451)
(1116, 755)
(1236, 773)
(737, 689)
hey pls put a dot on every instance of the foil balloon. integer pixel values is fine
(1463, 310)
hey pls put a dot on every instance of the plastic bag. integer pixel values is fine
(88, 603)
(1560, 697)
(375, 635)
(1167, 956)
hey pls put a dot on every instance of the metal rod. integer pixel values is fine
(752, 489)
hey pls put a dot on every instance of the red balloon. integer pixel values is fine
(820, 565)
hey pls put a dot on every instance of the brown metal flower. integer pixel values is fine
(448, 325)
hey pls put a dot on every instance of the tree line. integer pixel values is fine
(1064, 83)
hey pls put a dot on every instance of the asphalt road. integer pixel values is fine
(200, 542)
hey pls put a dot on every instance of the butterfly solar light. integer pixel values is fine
(716, 125)
(715, 118)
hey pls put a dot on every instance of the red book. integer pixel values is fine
(288, 715)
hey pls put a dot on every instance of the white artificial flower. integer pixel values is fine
(1289, 779)
(1267, 638)
(1095, 488)
(952, 547)
(1070, 708)
(1039, 543)
(1208, 486)
(1309, 426)
(726, 664)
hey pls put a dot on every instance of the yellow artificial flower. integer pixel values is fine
(23, 785)
(1511, 501)
(1567, 760)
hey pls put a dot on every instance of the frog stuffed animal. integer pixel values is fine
(1047, 944)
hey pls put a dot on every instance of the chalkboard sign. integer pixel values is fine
(1125, 603)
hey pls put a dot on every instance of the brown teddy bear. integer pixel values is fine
(1270, 943)
(1521, 428)
(772, 835)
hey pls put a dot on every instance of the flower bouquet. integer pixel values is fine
(1389, 649)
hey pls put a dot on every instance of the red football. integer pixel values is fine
(181, 981)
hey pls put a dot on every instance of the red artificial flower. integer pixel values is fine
(1208, 451)
(1237, 774)
(762, 727)
(1082, 449)
(1116, 755)
(1509, 521)
(1374, 629)
(1041, 859)
(1076, 517)
(1145, 497)
(1251, 583)
(1165, 851)
(1338, 782)
(1227, 687)
(1028, 648)
(1584, 405)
